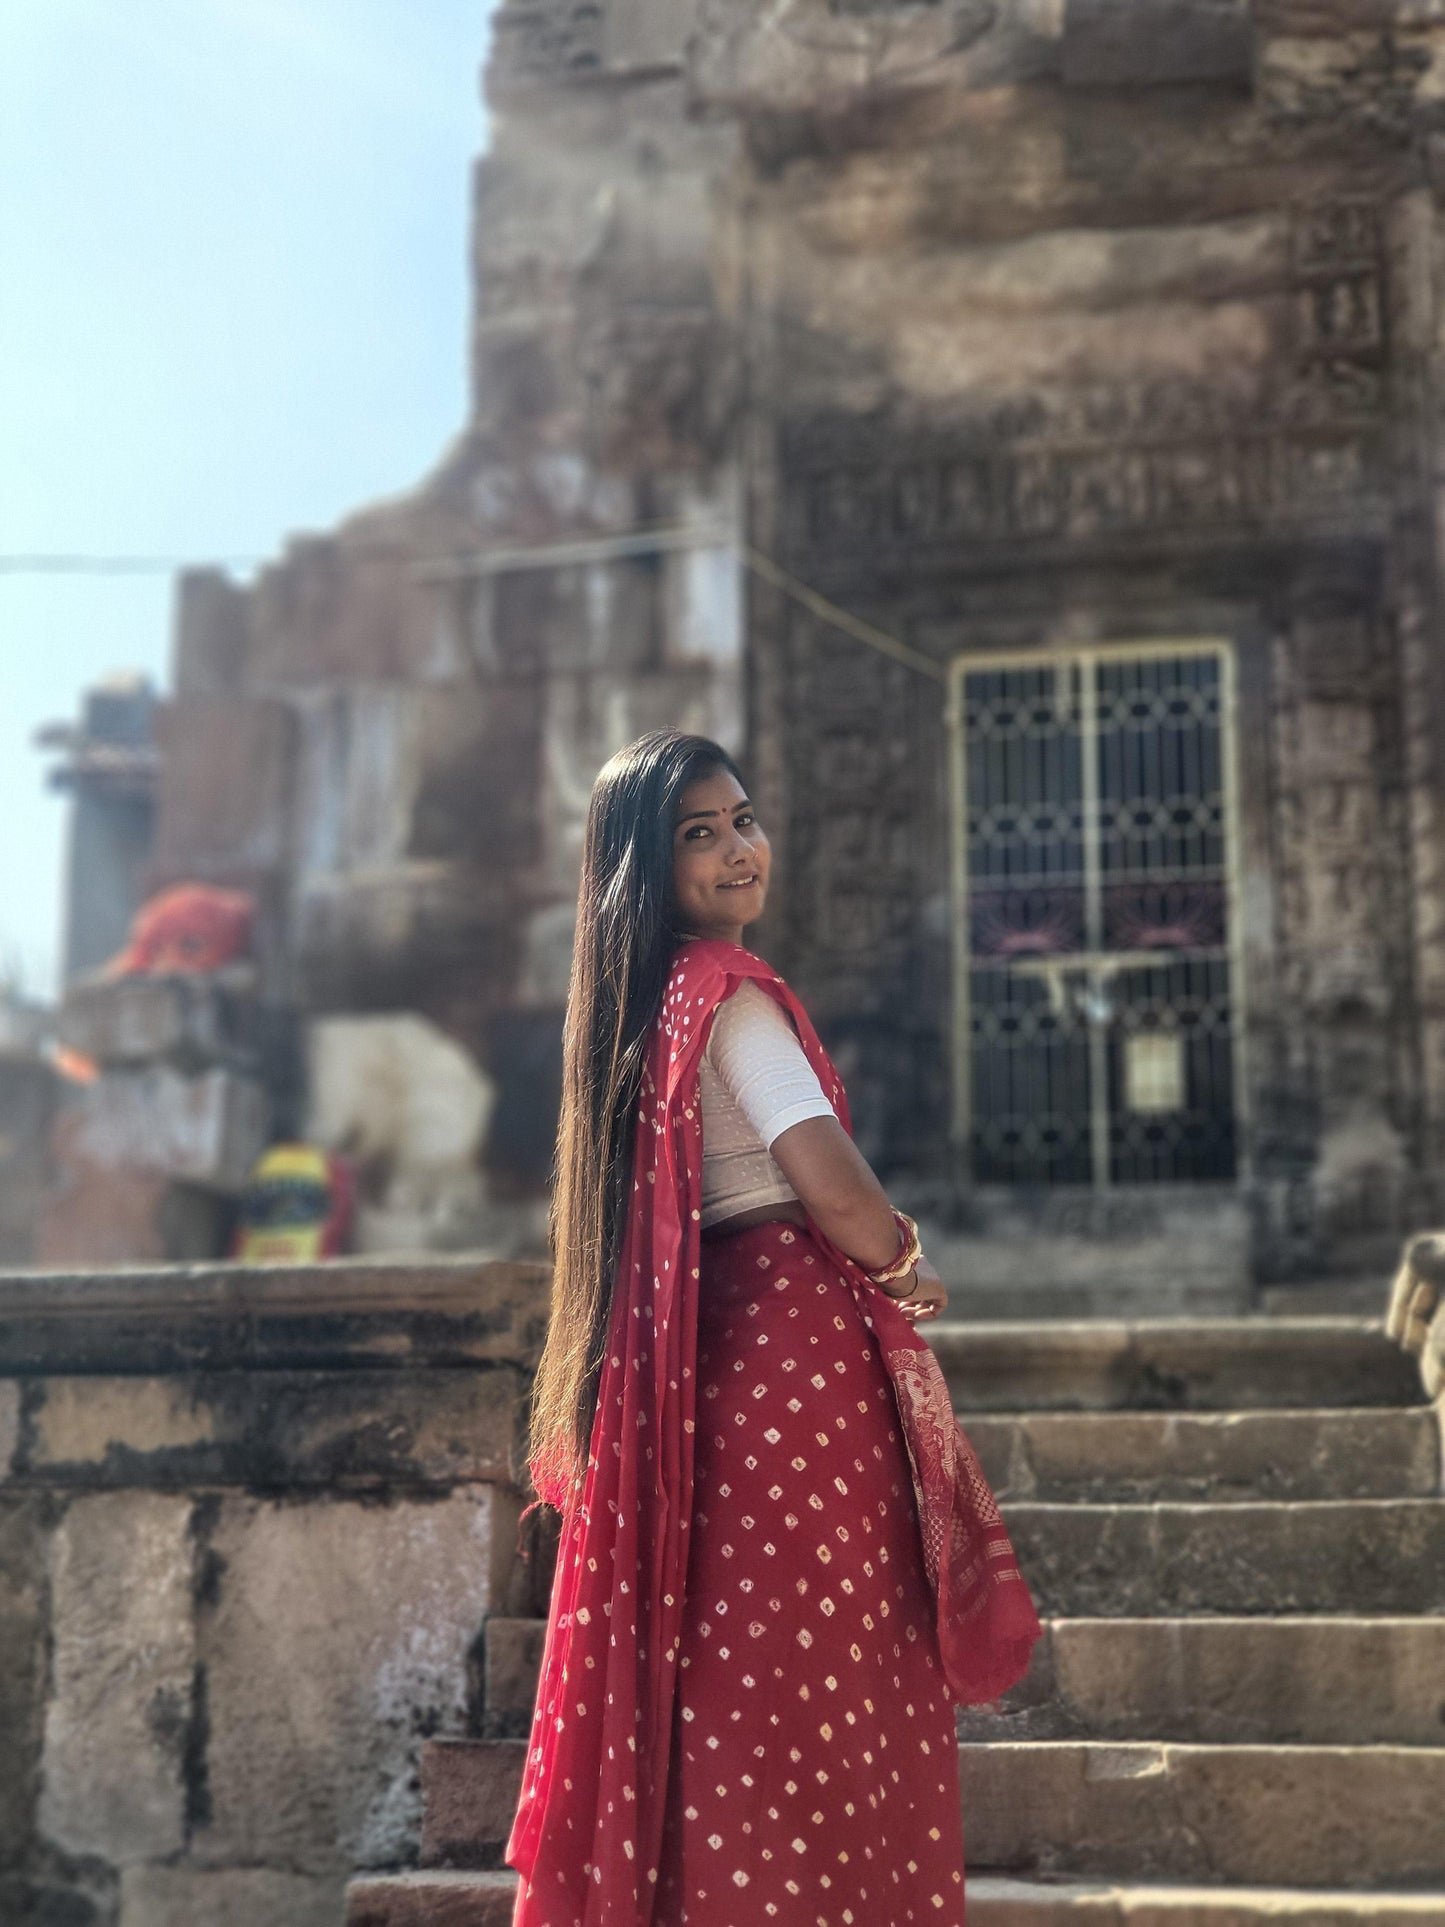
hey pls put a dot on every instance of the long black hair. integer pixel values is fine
(626, 935)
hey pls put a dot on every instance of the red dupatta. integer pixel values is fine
(588, 1830)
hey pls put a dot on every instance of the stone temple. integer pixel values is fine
(1014, 427)
(1011, 426)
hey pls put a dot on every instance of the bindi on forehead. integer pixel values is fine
(741, 804)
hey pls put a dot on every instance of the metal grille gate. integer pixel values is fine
(1093, 958)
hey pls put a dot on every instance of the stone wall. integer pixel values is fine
(1048, 349)
(252, 1528)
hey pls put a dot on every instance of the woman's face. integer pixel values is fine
(720, 859)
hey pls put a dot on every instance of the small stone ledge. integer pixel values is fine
(338, 1315)
(337, 1431)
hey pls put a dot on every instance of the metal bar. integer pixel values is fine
(955, 713)
(830, 612)
(1094, 917)
(1229, 771)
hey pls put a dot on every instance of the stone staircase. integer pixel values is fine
(1237, 1715)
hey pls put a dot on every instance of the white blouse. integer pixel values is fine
(755, 1081)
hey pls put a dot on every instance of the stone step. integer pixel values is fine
(486, 1900)
(1166, 1560)
(1319, 1682)
(1376, 1453)
(1216, 1364)
(1232, 1815)
(995, 1901)
(469, 1790)
(431, 1900)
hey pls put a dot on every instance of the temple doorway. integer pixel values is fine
(1095, 959)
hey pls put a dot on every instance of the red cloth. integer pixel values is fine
(814, 1766)
(187, 930)
(588, 1833)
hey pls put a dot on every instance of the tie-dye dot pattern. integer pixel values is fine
(814, 1779)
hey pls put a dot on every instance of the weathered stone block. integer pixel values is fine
(1222, 1456)
(211, 634)
(99, 1218)
(339, 1634)
(22, 1669)
(225, 772)
(29, 1095)
(131, 1020)
(280, 1428)
(228, 1897)
(1157, 1259)
(208, 1129)
(86, 1422)
(1311, 1681)
(471, 1788)
(123, 1677)
(9, 1424)
(433, 1900)
(25, 1899)
(447, 1311)
(996, 1901)
(1146, 43)
(1377, 1555)
(1270, 1815)
(1214, 1364)
(513, 1661)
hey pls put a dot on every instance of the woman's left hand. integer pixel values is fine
(927, 1297)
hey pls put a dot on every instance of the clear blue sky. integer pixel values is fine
(233, 239)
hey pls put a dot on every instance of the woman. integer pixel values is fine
(779, 1565)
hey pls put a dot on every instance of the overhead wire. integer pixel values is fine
(505, 560)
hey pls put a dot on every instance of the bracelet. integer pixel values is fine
(910, 1251)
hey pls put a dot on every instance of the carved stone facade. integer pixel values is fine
(1020, 330)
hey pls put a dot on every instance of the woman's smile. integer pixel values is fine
(718, 851)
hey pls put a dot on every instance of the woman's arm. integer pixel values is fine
(836, 1185)
(753, 1047)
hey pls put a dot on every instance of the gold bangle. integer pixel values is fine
(910, 1251)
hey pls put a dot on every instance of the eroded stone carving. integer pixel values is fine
(1037, 490)
(546, 40)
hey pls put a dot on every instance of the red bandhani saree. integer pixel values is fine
(679, 1766)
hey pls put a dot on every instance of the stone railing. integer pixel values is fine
(253, 1524)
